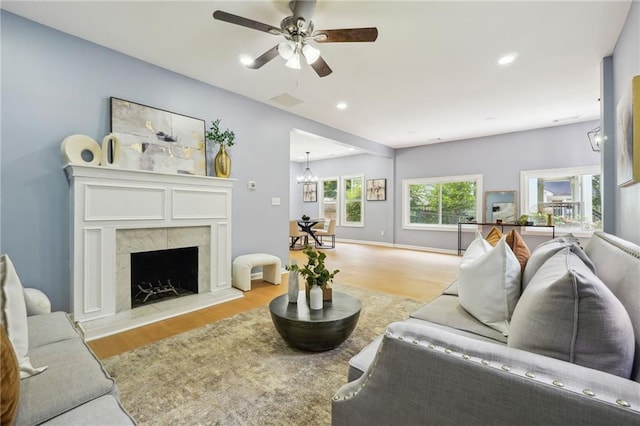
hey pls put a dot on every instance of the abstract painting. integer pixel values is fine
(376, 189)
(157, 140)
(309, 192)
(628, 135)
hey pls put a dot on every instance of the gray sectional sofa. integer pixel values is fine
(74, 388)
(442, 366)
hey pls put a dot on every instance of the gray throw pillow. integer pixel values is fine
(568, 313)
(546, 250)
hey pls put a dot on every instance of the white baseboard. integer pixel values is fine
(402, 246)
(429, 249)
(371, 243)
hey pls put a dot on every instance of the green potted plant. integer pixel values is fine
(315, 272)
(222, 161)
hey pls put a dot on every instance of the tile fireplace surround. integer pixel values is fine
(117, 212)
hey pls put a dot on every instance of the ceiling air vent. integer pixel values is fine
(286, 100)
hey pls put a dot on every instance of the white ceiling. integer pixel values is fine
(432, 75)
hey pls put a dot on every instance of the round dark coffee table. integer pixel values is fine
(315, 330)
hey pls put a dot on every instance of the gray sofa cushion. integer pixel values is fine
(73, 378)
(50, 328)
(546, 250)
(606, 250)
(568, 313)
(103, 411)
(446, 310)
(452, 290)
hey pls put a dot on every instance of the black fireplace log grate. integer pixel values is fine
(148, 289)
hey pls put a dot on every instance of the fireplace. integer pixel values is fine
(163, 274)
(116, 214)
(149, 244)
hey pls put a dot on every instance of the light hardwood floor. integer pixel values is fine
(408, 273)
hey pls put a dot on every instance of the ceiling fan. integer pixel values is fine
(298, 32)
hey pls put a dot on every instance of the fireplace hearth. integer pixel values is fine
(163, 274)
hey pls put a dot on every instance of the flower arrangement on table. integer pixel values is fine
(315, 272)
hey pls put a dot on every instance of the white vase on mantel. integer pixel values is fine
(293, 285)
(315, 297)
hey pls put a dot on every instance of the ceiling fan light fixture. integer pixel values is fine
(294, 62)
(287, 49)
(311, 54)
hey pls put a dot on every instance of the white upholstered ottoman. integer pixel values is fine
(242, 265)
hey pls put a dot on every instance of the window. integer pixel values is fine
(571, 196)
(329, 199)
(353, 201)
(430, 203)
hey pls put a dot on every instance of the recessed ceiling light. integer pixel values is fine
(246, 60)
(341, 105)
(507, 59)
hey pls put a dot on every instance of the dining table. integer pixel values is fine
(307, 226)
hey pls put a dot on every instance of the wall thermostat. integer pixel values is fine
(251, 184)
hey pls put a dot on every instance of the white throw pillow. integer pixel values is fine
(477, 248)
(13, 315)
(489, 284)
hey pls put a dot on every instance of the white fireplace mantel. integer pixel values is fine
(104, 200)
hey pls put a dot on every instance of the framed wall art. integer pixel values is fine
(157, 140)
(376, 189)
(628, 135)
(500, 205)
(310, 192)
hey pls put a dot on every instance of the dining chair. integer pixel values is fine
(319, 225)
(330, 232)
(296, 234)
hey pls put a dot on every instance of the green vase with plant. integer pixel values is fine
(222, 161)
(315, 272)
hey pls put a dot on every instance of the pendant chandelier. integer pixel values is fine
(307, 176)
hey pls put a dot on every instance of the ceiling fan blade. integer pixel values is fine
(264, 58)
(321, 68)
(346, 35)
(249, 23)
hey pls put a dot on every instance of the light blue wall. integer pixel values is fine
(626, 64)
(295, 191)
(55, 85)
(378, 215)
(498, 158)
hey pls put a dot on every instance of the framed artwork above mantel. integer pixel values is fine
(156, 140)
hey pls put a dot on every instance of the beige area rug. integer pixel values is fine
(239, 371)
